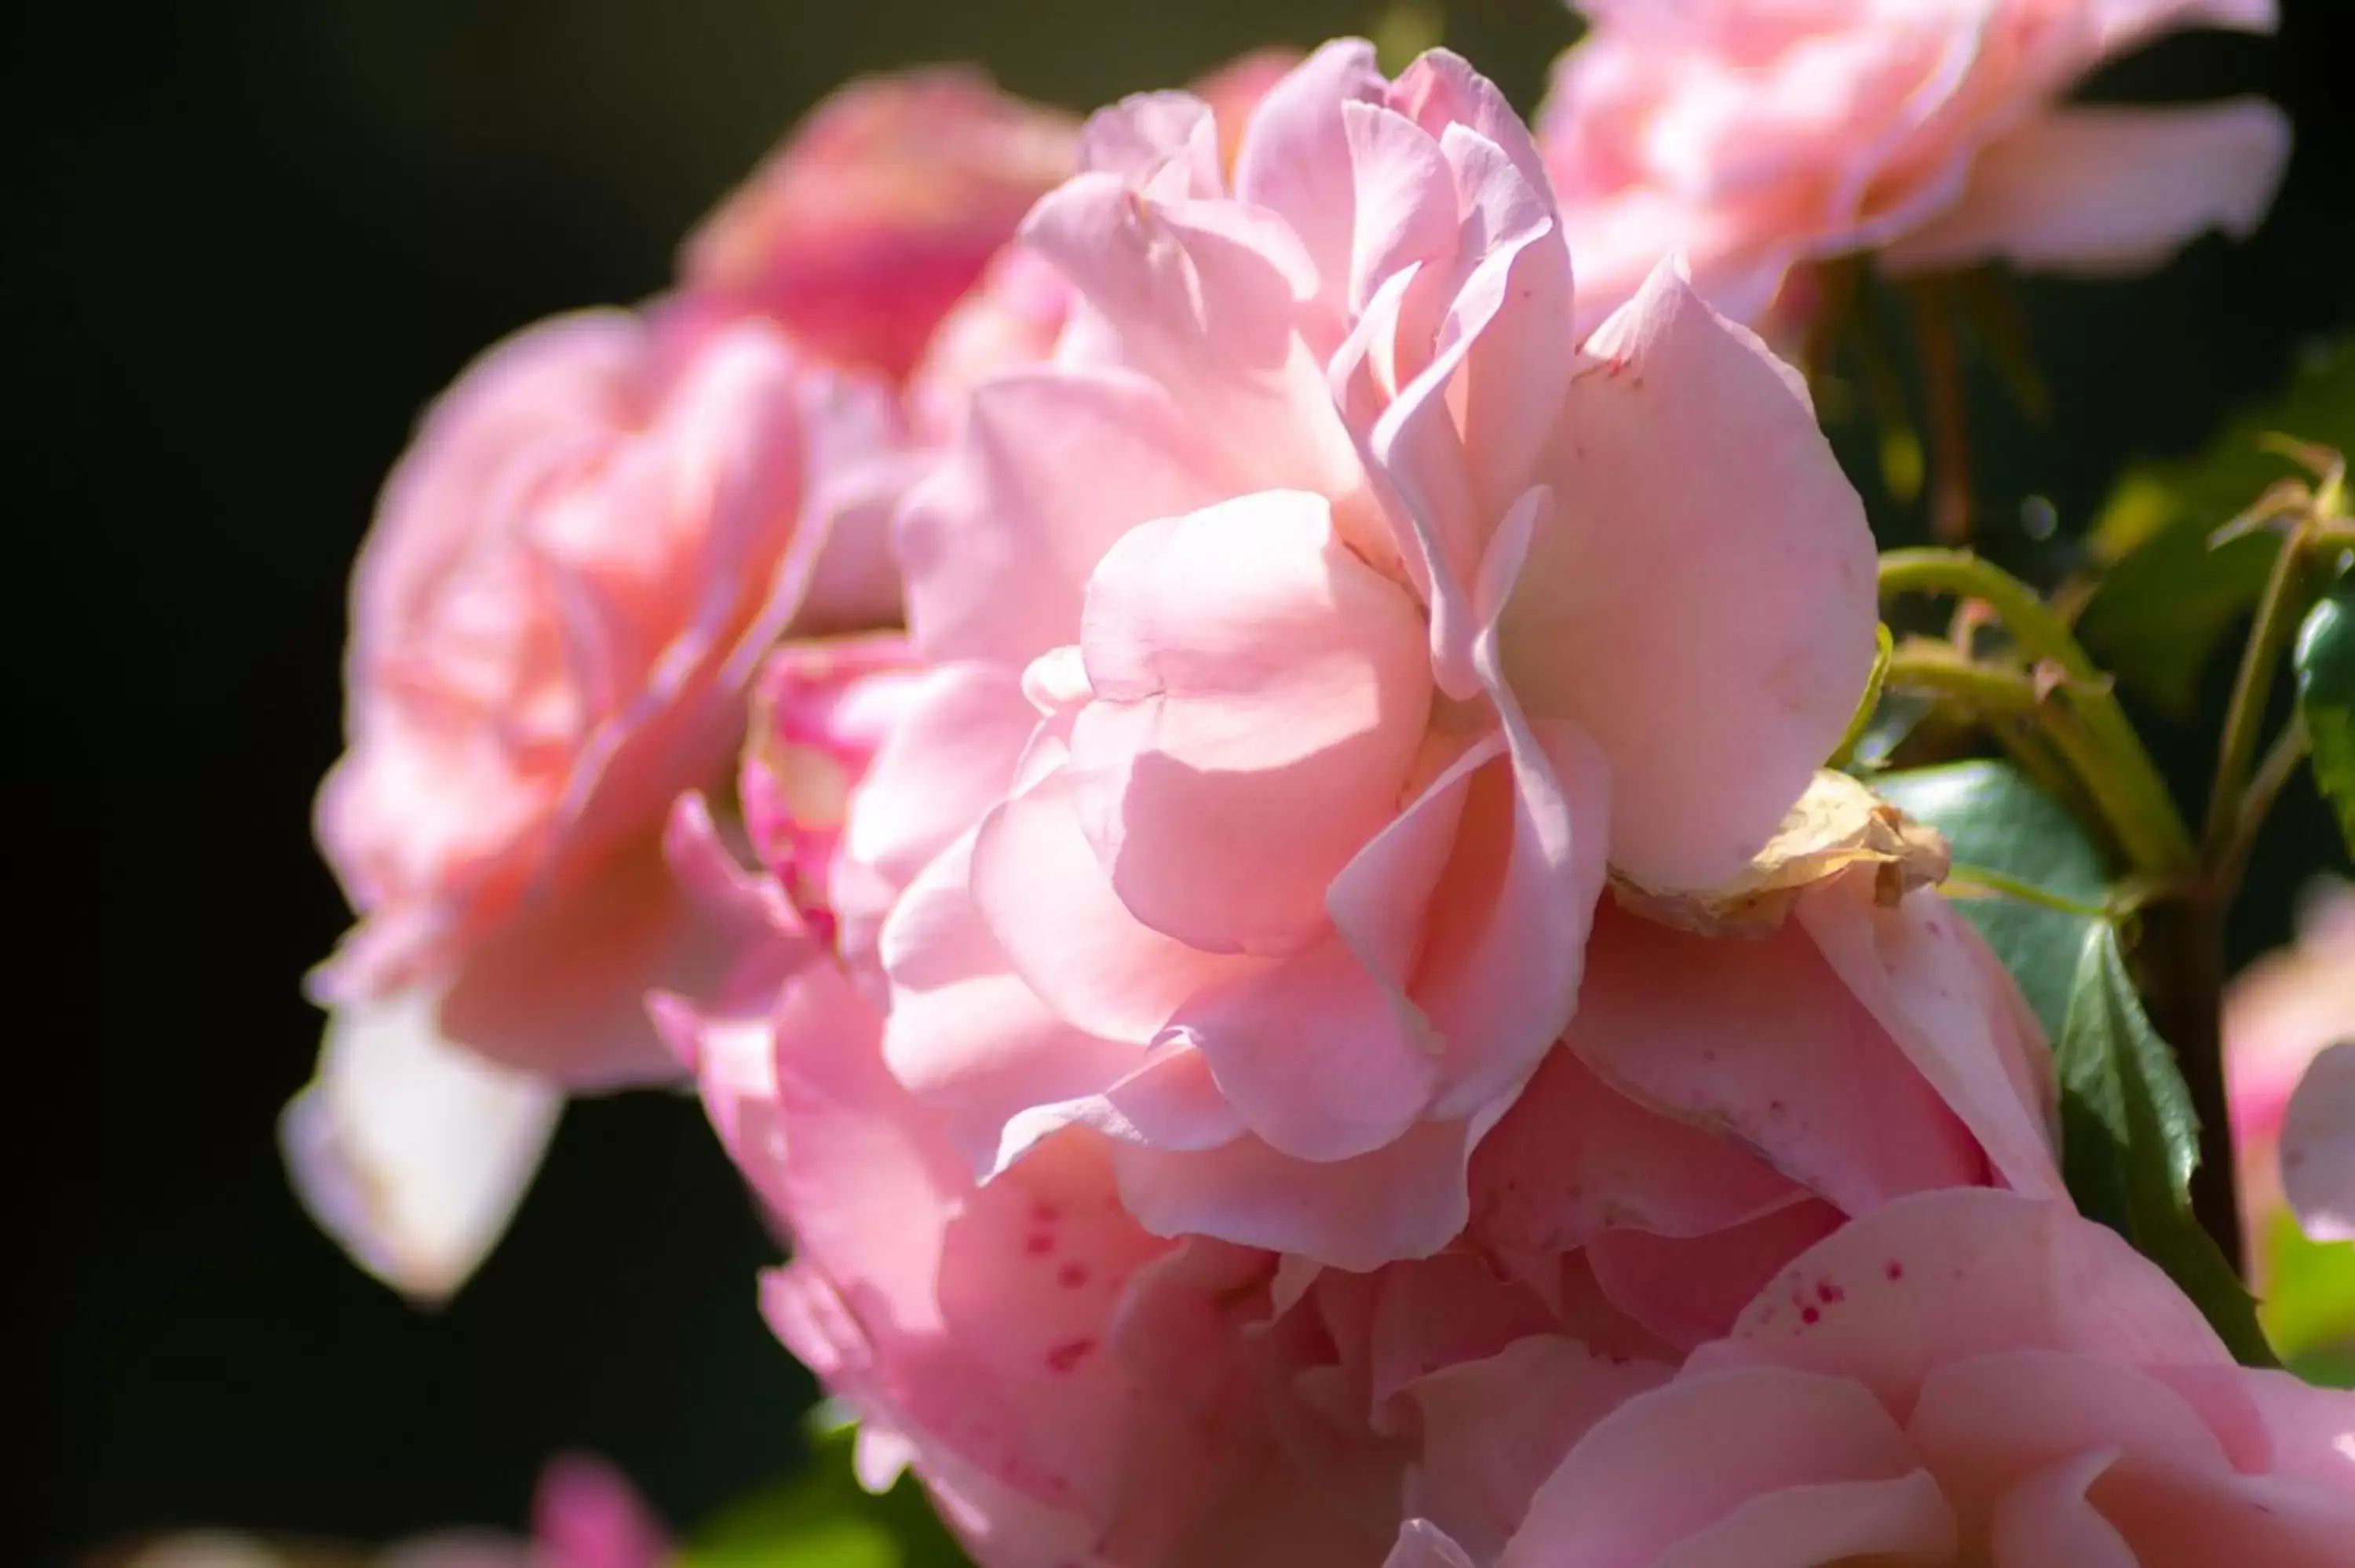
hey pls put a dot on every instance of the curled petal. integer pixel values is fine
(1403, 1199)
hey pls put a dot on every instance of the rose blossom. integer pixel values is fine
(1307, 640)
(584, 1515)
(2282, 1016)
(597, 532)
(879, 212)
(571, 575)
(1752, 135)
(1965, 1377)
(1075, 1389)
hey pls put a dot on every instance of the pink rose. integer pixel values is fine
(1309, 637)
(586, 1514)
(1015, 315)
(1965, 1377)
(1751, 137)
(1075, 1389)
(879, 213)
(820, 712)
(2281, 1016)
(571, 576)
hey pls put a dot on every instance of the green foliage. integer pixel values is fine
(2324, 659)
(2166, 595)
(1997, 822)
(2309, 1306)
(824, 1519)
(2036, 889)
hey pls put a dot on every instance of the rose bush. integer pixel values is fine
(1752, 137)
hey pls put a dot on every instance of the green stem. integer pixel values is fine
(2083, 715)
(2273, 773)
(1981, 687)
(2278, 609)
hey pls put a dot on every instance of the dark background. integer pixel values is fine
(247, 240)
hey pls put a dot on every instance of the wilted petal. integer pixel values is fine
(411, 1151)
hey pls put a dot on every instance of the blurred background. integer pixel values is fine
(253, 237)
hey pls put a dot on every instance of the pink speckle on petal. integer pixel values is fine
(1068, 1355)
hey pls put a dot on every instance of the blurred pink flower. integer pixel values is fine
(1965, 1377)
(879, 212)
(1752, 135)
(584, 1515)
(1306, 638)
(570, 580)
(2281, 1014)
(2318, 1159)
(1016, 313)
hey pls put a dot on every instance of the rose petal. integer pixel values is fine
(409, 1152)
(2318, 1146)
(2100, 191)
(1713, 650)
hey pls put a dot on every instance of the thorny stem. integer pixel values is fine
(2080, 713)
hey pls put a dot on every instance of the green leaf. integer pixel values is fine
(1997, 820)
(2309, 1306)
(824, 1519)
(2167, 596)
(2129, 1137)
(2325, 661)
(2130, 1140)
